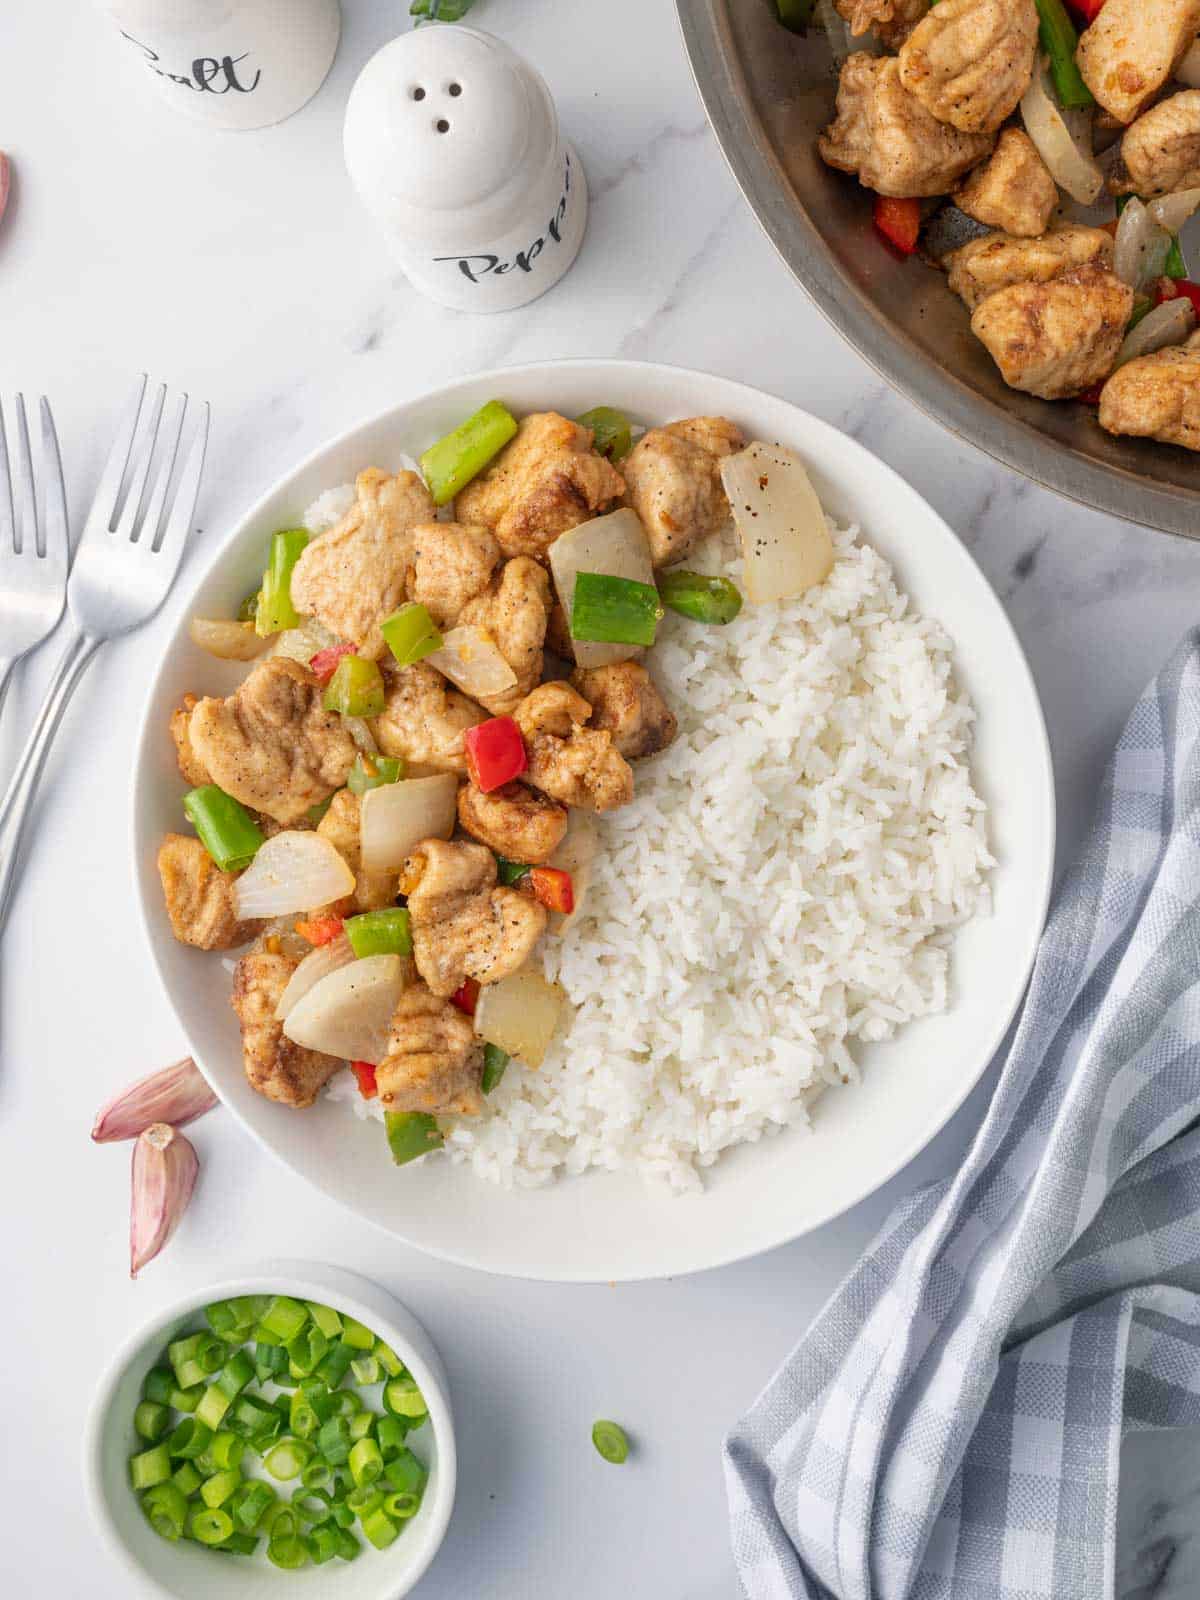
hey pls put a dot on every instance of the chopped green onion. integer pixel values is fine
(290, 1553)
(220, 1487)
(248, 610)
(281, 1522)
(325, 1317)
(323, 1544)
(251, 1503)
(346, 1404)
(380, 933)
(337, 1363)
(302, 1419)
(287, 1460)
(388, 1359)
(356, 688)
(342, 1514)
(403, 1398)
(221, 1318)
(611, 430)
(401, 1504)
(269, 1359)
(1175, 266)
(187, 1399)
(406, 1474)
(411, 1134)
(316, 814)
(410, 634)
(494, 1062)
(189, 1440)
(391, 1433)
(794, 14)
(366, 1371)
(510, 872)
(366, 1463)
(364, 1498)
(227, 831)
(439, 11)
(283, 1318)
(373, 772)
(360, 1427)
(213, 1406)
(610, 610)
(333, 1441)
(235, 1374)
(166, 1507)
(317, 1474)
(151, 1420)
(185, 1478)
(609, 1438)
(158, 1384)
(357, 1335)
(379, 1528)
(209, 1525)
(1059, 40)
(348, 1546)
(306, 1350)
(700, 597)
(239, 1544)
(312, 1505)
(227, 1449)
(275, 611)
(451, 463)
(150, 1467)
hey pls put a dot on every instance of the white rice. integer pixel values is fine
(785, 883)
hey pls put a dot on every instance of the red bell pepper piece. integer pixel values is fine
(495, 753)
(466, 998)
(899, 221)
(320, 930)
(1090, 397)
(1173, 288)
(1089, 10)
(324, 664)
(552, 888)
(365, 1073)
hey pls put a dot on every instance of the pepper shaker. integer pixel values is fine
(453, 143)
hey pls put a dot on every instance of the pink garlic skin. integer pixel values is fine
(177, 1094)
(165, 1168)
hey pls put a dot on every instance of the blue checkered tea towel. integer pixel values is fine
(950, 1426)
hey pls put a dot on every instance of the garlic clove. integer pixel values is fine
(165, 1168)
(177, 1094)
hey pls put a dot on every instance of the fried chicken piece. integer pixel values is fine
(558, 632)
(191, 768)
(199, 896)
(626, 701)
(1055, 339)
(674, 480)
(892, 20)
(424, 718)
(546, 480)
(341, 825)
(514, 610)
(969, 61)
(1132, 49)
(568, 760)
(979, 268)
(1157, 396)
(887, 138)
(452, 562)
(354, 575)
(1012, 190)
(1161, 151)
(271, 744)
(434, 1062)
(463, 925)
(276, 1067)
(516, 822)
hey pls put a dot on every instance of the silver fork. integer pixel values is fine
(33, 542)
(127, 559)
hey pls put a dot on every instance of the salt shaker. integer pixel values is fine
(452, 141)
(233, 63)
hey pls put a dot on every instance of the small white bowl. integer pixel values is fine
(186, 1571)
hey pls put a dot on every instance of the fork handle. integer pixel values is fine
(18, 797)
(7, 663)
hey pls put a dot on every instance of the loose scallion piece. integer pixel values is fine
(302, 1419)
(366, 1371)
(611, 431)
(401, 1505)
(387, 1358)
(1059, 40)
(250, 1504)
(220, 1487)
(380, 933)
(235, 1374)
(451, 463)
(158, 1384)
(440, 11)
(364, 1498)
(186, 1399)
(348, 1546)
(323, 1544)
(248, 610)
(379, 1528)
(151, 1420)
(494, 1062)
(306, 1350)
(333, 1441)
(212, 1408)
(1175, 266)
(239, 1544)
(326, 1318)
(510, 872)
(337, 1363)
(166, 1508)
(610, 1440)
(226, 830)
(283, 1318)
(357, 1335)
(209, 1525)
(608, 610)
(410, 635)
(317, 1474)
(186, 1479)
(405, 1473)
(289, 1552)
(403, 1398)
(150, 1467)
(227, 1449)
(356, 688)
(275, 611)
(373, 772)
(269, 1359)
(189, 1440)
(287, 1459)
(391, 1432)
(411, 1134)
(700, 597)
(366, 1463)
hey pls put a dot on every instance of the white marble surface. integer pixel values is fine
(241, 267)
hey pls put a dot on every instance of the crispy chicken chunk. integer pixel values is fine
(1157, 396)
(514, 610)
(1055, 339)
(191, 768)
(514, 821)
(1161, 151)
(892, 20)
(568, 760)
(674, 479)
(888, 139)
(548, 479)
(434, 1061)
(341, 825)
(558, 632)
(625, 700)
(969, 61)
(424, 718)
(199, 896)
(998, 260)
(1133, 48)
(271, 744)
(275, 1066)
(353, 576)
(1012, 190)
(452, 562)
(463, 925)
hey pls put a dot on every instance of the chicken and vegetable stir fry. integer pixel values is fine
(1000, 137)
(444, 687)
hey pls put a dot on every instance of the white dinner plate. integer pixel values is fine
(611, 1226)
